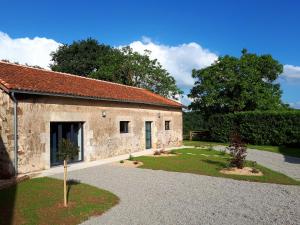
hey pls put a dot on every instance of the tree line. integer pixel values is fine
(230, 84)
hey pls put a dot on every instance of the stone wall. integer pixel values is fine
(6, 136)
(101, 135)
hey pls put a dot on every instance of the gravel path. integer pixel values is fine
(169, 198)
(287, 165)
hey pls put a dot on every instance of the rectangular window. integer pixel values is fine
(167, 125)
(124, 126)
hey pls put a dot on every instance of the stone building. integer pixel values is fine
(39, 107)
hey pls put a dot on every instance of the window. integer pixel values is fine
(167, 125)
(124, 126)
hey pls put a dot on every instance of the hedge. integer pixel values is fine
(193, 121)
(258, 127)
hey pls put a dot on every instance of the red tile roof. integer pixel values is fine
(19, 78)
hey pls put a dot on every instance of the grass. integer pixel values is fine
(40, 201)
(209, 162)
(284, 150)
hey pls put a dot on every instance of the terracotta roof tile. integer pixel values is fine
(22, 78)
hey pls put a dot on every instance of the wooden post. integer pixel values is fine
(191, 135)
(65, 183)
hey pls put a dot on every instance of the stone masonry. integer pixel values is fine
(101, 135)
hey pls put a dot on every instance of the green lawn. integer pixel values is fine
(40, 201)
(208, 162)
(295, 152)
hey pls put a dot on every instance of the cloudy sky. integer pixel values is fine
(181, 36)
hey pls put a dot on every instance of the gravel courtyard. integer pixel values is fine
(168, 198)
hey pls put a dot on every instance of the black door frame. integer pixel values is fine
(81, 156)
(150, 131)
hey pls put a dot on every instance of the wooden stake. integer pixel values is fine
(65, 183)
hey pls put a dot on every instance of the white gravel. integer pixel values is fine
(169, 198)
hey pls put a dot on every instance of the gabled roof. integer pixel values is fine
(24, 79)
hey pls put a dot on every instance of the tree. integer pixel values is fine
(66, 151)
(78, 58)
(125, 66)
(237, 84)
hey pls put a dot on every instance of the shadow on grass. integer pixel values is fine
(71, 183)
(217, 163)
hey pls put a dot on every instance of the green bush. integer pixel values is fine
(258, 127)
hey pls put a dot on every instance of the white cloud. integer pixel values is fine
(34, 51)
(295, 105)
(178, 60)
(291, 73)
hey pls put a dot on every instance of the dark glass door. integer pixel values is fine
(148, 135)
(71, 131)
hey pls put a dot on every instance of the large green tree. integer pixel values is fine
(91, 59)
(78, 58)
(234, 84)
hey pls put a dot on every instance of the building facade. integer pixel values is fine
(34, 117)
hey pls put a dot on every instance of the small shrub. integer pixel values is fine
(131, 158)
(163, 151)
(157, 153)
(238, 151)
(122, 161)
(254, 170)
(253, 165)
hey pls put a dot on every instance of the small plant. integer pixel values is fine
(254, 170)
(131, 158)
(67, 150)
(253, 165)
(122, 161)
(238, 151)
(163, 151)
(157, 153)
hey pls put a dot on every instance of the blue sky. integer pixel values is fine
(207, 28)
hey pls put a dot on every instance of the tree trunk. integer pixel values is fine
(65, 183)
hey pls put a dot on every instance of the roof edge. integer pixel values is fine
(68, 74)
(93, 98)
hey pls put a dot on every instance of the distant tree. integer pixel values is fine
(125, 66)
(193, 121)
(131, 68)
(66, 151)
(238, 84)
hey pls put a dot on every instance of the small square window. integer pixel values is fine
(167, 125)
(124, 126)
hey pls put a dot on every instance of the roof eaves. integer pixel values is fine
(91, 98)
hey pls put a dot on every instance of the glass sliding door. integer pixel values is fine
(67, 130)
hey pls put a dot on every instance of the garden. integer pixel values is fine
(205, 161)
